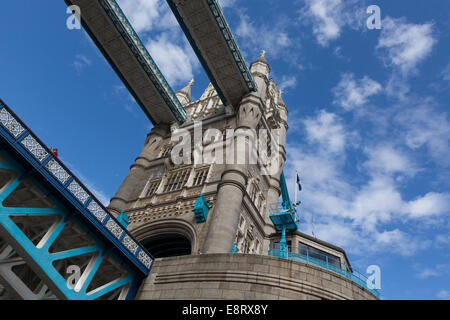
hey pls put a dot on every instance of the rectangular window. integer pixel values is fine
(176, 180)
(200, 176)
(165, 151)
(153, 187)
(318, 254)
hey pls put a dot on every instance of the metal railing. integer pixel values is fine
(323, 261)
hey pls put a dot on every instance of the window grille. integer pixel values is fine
(176, 180)
(152, 188)
(200, 176)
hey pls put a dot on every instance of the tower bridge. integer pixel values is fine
(181, 231)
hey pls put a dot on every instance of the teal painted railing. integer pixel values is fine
(325, 262)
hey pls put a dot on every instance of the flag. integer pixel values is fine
(298, 182)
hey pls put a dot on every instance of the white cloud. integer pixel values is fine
(326, 130)
(325, 17)
(274, 38)
(386, 159)
(227, 3)
(287, 82)
(171, 52)
(328, 17)
(440, 270)
(406, 44)
(177, 62)
(357, 212)
(352, 93)
(143, 14)
(397, 87)
(446, 73)
(443, 239)
(430, 204)
(443, 294)
(81, 62)
(423, 126)
(399, 242)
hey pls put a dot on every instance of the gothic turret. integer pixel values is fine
(260, 69)
(184, 95)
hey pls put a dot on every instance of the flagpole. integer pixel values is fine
(295, 186)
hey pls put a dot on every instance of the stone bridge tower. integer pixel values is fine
(207, 222)
(159, 196)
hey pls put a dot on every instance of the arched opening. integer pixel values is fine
(168, 245)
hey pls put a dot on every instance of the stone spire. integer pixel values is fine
(260, 69)
(261, 65)
(184, 95)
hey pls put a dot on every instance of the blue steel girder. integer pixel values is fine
(28, 158)
(115, 37)
(283, 215)
(38, 256)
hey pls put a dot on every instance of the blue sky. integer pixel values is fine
(369, 124)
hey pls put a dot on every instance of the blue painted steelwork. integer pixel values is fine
(201, 209)
(283, 216)
(40, 253)
(141, 54)
(234, 250)
(37, 160)
(123, 219)
(231, 43)
(341, 269)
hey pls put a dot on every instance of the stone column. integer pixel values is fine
(226, 213)
(136, 174)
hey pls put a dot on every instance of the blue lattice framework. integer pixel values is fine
(28, 156)
(141, 54)
(230, 41)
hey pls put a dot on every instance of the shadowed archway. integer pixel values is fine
(168, 245)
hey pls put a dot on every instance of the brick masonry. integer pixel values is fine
(245, 276)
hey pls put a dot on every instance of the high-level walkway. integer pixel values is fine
(211, 38)
(109, 28)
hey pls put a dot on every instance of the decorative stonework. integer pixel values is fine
(78, 191)
(130, 244)
(249, 114)
(114, 228)
(10, 123)
(145, 259)
(55, 168)
(97, 211)
(35, 148)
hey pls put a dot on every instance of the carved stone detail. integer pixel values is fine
(249, 113)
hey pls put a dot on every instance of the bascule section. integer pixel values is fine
(57, 241)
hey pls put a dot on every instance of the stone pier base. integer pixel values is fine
(245, 276)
